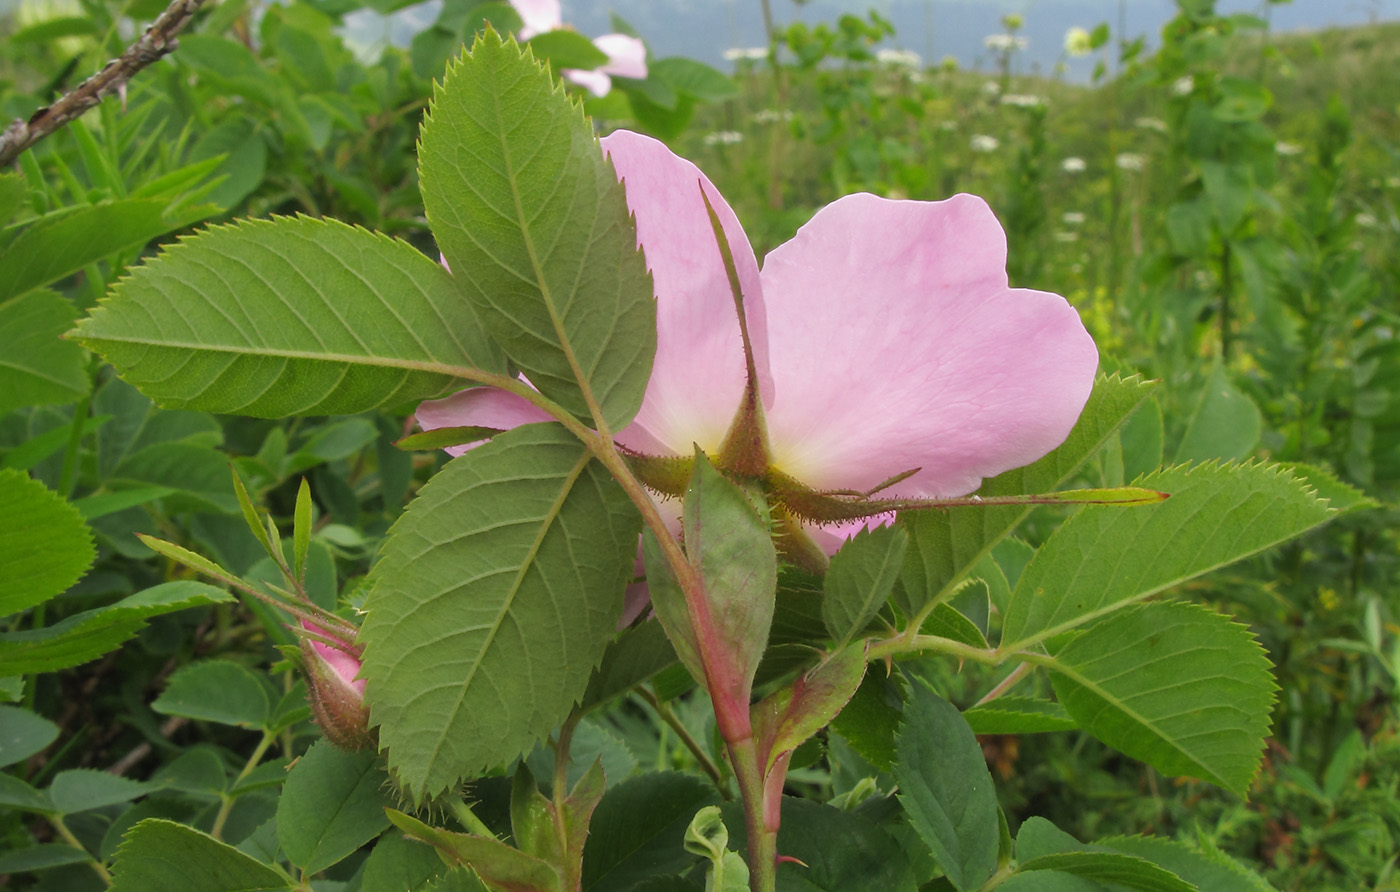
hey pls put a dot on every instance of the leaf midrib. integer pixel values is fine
(565, 346)
(1091, 686)
(527, 563)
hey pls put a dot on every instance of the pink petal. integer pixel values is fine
(478, 407)
(896, 343)
(627, 56)
(345, 665)
(539, 16)
(698, 377)
(595, 82)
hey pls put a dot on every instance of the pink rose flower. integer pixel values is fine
(885, 336)
(626, 55)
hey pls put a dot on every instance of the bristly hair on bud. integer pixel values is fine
(336, 695)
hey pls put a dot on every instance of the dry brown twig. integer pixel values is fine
(157, 42)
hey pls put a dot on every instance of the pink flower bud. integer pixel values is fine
(337, 696)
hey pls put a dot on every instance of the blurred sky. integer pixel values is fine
(934, 28)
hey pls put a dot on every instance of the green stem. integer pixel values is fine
(907, 643)
(763, 838)
(468, 819)
(1227, 286)
(228, 798)
(70, 453)
(666, 714)
(67, 836)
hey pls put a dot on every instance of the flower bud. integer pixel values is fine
(337, 697)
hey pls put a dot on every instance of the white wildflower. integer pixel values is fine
(746, 54)
(1365, 220)
(1073, 164)
(1288, 148)
(981, 142)
(991, 88)
(1004, 43)
(723, 138)
(1156, 125)
(1072, 218)
(1022, 100)
(1078, 42)
(772, 116)
(899, 58)
(1183, 86)
(1130, 161)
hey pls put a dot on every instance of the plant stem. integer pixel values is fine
(1227, 285)
(468, 819)
(667, 715)
(1006, 683)
(70, 453)
(763, 838)
(158, 41)
(226, 805)
(67, 836)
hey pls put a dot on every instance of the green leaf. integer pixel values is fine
(1209, 871)
(83, 789)
(945, 787)
(15, 793)
(1225, 424)
(199, 771)
(292, 316)
(27, 455)
(23, 733)
(195, 474)
(1340, 497)
(1230, 189)
(843, 852)
(400, 864)
(636, 830)
(301, 530)
(332, 803)
(441, 438)
(1102, 559)
(41, 857)
(730, 551)
(88, 635)
(1107, 867)
(694, 79)
(1018, 715)
(37, 366)
(1175, 685)
(14, 190)
(1048, 881)
(217, 691)
(870, 722)
(44, 545)
(945, 545)
(565, 49)
(61, 244)
(638, 654)
(788, 717)
(535, 226)
(482, 614)
(503, 867)
(1039, 837)
(859, 581)
(162, 856)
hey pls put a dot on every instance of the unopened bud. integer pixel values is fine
(337, 696)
